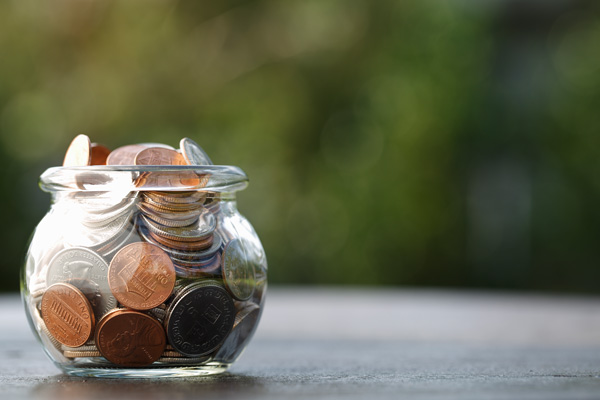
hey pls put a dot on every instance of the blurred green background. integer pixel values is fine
(437, 143)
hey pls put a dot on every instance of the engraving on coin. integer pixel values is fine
(159, 156)
(199, 319)
(130, 338)
(88, 272)
(141, 276)
(68, 314)
(79, 152)
(193, 153)
(238, 273)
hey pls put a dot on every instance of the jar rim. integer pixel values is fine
(104, 178)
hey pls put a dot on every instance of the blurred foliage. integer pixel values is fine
(449, 143)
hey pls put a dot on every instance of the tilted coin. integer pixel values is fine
(99, 154)
(87, 271)
(79, 152)
(238, 273)
(130, 338)
(68, 314)
(193, 153)
(124, 155)
(244, 326)
(141, 276)
(199, 319)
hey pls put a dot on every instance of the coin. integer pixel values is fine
(68, 314)
(80, 354)
(177, 197)
(159, 156)
(199, 319)
(130, 338)
(99, 154)
(85, 347)
(141, 276)
(197, 245)
(87, 271)
(243, 328)
(124, 155)
(206, 226)
(238, 273)
(79, 153)
(182, 254)
(79, 236)
(193, 153)
(171, 223)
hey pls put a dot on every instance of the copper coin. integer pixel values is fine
(238, 273)
(124, 155)
(79, 152)
(159, 156)
(130, 338)
(99, 154)
(183, 246)
(141, 276)
(68, 314)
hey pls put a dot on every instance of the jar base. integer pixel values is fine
(212, 368)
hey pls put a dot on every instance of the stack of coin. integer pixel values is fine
(99, 221)
(177, 221)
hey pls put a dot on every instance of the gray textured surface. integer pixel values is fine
(332, 343)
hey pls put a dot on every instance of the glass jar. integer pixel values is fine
(144, 271)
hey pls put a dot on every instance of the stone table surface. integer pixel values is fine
(335, 343)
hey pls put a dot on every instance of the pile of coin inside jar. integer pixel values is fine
(148, 276)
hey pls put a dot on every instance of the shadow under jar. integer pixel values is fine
(144, 271)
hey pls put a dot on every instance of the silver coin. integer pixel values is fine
(193, 153)
(88, 272)
(199, 318)
(238, 273)
(203, 228)
(162, 145)
(78, 235)
(100, 202)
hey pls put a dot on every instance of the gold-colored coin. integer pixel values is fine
(79, 152)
